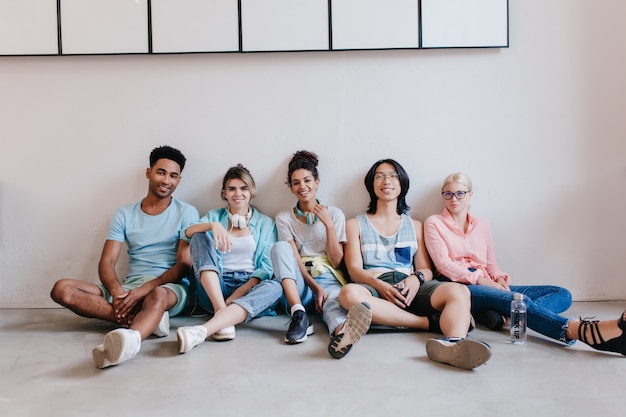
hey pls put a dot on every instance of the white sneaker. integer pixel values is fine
(464, 353)
(119, 345)
(163, 329)
(227, 333)
(190, 336)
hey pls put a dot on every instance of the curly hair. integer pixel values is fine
(303, 160)
(167, 152)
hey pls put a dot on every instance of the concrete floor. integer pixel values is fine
(46, 370)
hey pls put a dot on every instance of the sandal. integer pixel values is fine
(617, 344)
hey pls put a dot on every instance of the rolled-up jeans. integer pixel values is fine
(286, 267)
(260, 300)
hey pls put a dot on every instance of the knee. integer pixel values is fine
(200, 239)
(349, 296)
(157, 296)
(280, 250)
(566, 296)
(60, 291)
(458, 292)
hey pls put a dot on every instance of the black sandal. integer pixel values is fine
(617, 344)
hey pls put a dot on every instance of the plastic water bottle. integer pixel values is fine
(518, 320)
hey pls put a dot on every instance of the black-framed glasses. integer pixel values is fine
(460, 195)
(390, 176)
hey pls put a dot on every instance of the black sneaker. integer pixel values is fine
(299, 328)
(491, 319)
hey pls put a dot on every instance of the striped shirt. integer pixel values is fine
(387, 253)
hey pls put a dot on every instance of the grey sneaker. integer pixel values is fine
(299, 328)
(227, 333)
(190, 336)
(119, 345)
(463, 353)
(163, 329)
(357, 324)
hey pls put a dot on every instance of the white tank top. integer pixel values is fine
(241, 255)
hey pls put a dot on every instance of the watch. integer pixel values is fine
(420, 277)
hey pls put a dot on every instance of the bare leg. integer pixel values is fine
(83, 298)
(608, 329)
(290, 289)
(211, 284)
(153, 306)
(383, 312)
(453, 300)
(229, 316)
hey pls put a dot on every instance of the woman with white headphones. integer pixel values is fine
(230, 247)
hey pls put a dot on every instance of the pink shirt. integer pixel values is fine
(454, 251)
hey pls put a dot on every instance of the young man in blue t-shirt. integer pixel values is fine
(158, 260)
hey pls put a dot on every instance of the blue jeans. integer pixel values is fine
(286, 267)
(260, 300)
(543, 303)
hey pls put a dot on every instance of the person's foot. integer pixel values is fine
(299, 328)
(491, 319)
(462, 353)
(227, 333)
(589, 333)
(163, 329)
(119, 345)
(356, 325)
(189, 337)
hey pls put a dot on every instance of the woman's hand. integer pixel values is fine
(221, 237)
(502, 282)
(322, 214)
(320, 298)
(490, 283)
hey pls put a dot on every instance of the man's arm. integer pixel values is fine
(179, 270)
(106, 267)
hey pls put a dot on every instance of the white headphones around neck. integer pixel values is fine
(239, 221)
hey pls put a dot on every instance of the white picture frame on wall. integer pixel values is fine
(28, 27)
(373, 24)
(180, 26)
(465, 23)
(284, 25)
(104, 26)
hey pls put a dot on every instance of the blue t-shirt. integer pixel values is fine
(152, 240)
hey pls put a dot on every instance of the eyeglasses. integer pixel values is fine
(392, 176)
(460, 195)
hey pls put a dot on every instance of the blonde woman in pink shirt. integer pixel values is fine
(461, 248)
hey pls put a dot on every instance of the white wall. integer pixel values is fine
(540, 127)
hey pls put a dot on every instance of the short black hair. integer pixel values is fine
(168, 152)
(402, 206)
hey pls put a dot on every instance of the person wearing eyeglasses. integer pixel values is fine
(461, 248)
(390, 272)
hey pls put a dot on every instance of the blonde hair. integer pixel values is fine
(458, 177)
